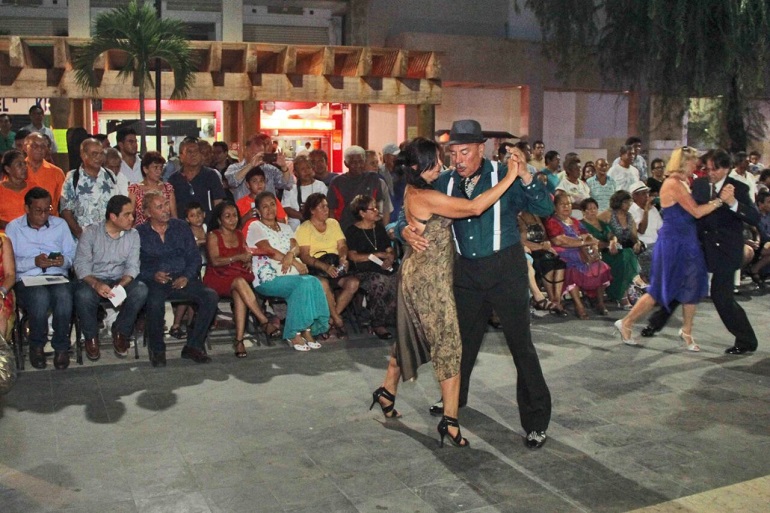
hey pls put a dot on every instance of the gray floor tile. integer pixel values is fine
(174, 503)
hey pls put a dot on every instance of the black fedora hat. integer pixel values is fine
(466, 131)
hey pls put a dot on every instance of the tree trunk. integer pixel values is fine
(734, 122)
(142, 122)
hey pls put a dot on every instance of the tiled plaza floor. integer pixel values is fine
(283, 431)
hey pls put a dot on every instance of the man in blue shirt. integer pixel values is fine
(170, 267)
(491, 272)
(43, 246)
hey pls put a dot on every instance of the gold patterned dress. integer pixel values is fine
(426, 315)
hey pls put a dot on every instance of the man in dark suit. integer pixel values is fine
(721, 235)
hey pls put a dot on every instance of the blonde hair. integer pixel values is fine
(678, 157)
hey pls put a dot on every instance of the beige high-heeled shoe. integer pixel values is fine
(689, 342)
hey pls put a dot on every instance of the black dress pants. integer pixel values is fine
(730, 312)
(500, 282)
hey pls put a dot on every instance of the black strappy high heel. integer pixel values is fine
(389, 411)
(443, 430)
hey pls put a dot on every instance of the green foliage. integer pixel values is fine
(678, 49)
(136, 30)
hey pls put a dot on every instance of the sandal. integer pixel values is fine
(239, 353)
(177, 332)
(558, 310)
(270, 330)
(307, 336)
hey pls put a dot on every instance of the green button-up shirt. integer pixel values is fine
(474, 235)
(7, 142)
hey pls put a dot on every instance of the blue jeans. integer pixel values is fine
(36, 302)
(87, 306)
(204, 299)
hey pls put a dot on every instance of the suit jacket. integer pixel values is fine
(721, 232)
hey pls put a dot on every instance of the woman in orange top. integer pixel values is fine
(13, 187)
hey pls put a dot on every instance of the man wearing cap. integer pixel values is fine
(396, 182)
(648, 222)
(491, 272)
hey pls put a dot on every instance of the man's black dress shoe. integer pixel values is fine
(61, 360)
(738, 350)
(37, 357)
(196, 355)
(649, 331)
(535, 439)
(157, 359)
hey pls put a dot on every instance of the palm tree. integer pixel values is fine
(136, 30)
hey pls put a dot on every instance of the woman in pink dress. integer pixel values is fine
(152, 170)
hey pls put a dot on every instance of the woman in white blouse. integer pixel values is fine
(279, 273)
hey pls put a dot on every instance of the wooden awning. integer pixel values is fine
(42, 67)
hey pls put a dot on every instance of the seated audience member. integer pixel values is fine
(537, 300)
(356, 181)
(87, 190)
(247, 208)
(183, 314)
(306, 184)
(228, 271)
(551, 170)
(43, 245)
(601, 186)
(320, 162)
(7, 281)
(545, 261)
(152, 169)
(130, 163)
(207, 153)
(569, 239)
(655, 180)
(621, 221)
(759, 267)
(589, 171)
(648, 222)
(367, 238)
(170, 267)
(323, 248)
(763, 182)
(107, 257)
(7, 136)
(280, 273)
(14, 187)
(622, 170)
(258, 151)
(372, 162)
(113, 162)
(536, 158)
(19, 143)
(574, 186)
(755, 166)
(40, 172)
(622, 261)
(194, 181)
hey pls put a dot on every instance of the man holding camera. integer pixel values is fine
(43, 246)
(258, 150)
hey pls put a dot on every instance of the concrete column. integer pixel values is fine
(232, 21)
(426, 121)
(532, 112)
(81, 114)
(356, 23)
(359, 130)
(79, 18)
(639, 114)
(240, 120)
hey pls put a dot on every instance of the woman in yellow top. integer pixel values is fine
(317, 237)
